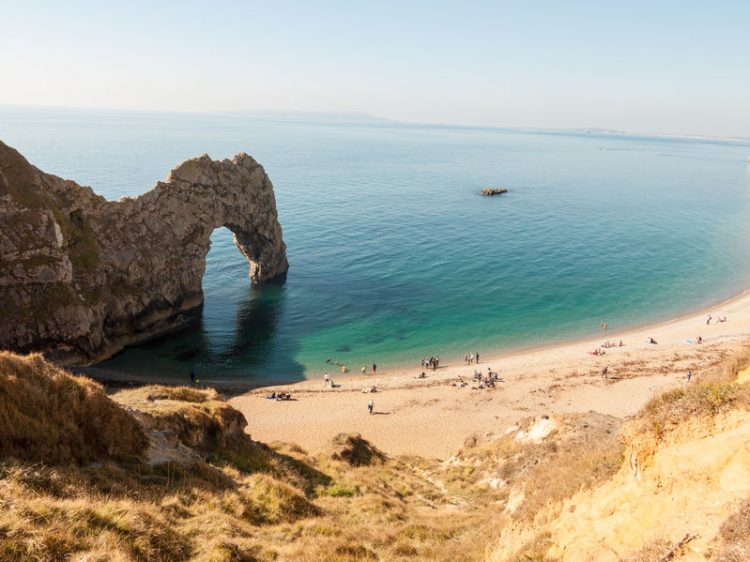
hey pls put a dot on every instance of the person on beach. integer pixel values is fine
(689, 375)
(604, 371)
(476, 357)
(708, 319)
(326, 379)
(364, 370)
(374, 368)
(370, 406)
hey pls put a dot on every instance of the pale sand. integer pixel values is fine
(430, 417)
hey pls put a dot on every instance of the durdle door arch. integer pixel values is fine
(81, 277)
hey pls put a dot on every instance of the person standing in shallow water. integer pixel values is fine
(374, 368)
(370, 406)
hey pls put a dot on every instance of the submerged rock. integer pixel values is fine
(81, 277)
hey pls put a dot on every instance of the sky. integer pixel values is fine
(638, 66)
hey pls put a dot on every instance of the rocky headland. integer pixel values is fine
(81, 277)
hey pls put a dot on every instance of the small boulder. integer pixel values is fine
(356, 451)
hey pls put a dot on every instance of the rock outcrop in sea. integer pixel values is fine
(489, 191)
(81, 277)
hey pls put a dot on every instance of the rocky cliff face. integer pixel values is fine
(81, 277)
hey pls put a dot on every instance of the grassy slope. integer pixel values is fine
(686, 474)
(78, 481)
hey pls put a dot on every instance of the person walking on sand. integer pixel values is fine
(689, 375)
(374, 368)
(708, 319)
(604, 371)
(370, 406)
(476, 357)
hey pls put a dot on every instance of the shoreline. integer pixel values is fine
(118, 379)
(433, 416)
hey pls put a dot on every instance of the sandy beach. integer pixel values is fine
(433, 416)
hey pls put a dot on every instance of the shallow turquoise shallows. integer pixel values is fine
(394, 254)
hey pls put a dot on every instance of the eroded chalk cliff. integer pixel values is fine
(81, 277)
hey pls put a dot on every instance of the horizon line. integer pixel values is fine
(363, 115)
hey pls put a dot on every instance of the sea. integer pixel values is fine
(395, 255)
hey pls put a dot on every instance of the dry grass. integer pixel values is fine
(236, 500)
(356, 451)
(245, 501)
(584, 451)
(199, 417)
(734, 536)
(703, 399)
(650, 552)
(51, 416)
(536, 549)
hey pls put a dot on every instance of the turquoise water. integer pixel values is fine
(394, 255)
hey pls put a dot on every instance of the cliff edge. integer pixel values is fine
(81, 277)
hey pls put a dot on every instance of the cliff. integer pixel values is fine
(682, 492)
(81, 277)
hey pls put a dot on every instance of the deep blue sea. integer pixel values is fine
(393, 253)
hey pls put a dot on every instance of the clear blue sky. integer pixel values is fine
(653, 66)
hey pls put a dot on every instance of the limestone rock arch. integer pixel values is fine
(81, 277)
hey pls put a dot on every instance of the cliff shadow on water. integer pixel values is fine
(226, 343)
(231, 341)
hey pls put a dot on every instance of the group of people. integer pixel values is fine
(606, 345)
(374, 369)
(337, 363)
(279, 396)
(431, 363)
(472, 358)
(720, 319)
(488, 379)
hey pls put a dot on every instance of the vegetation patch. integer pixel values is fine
(50, 416)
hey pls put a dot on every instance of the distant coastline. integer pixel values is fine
(364, 117)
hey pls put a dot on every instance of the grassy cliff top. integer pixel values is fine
(167, 473)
